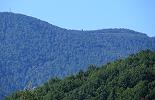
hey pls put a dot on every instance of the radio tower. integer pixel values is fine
(10, 10)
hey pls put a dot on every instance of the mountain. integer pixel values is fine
(32, 50)
(132, 78)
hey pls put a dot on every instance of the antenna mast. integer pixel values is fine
(10, 10)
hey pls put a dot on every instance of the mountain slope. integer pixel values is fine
(34, 50)
(132, 78)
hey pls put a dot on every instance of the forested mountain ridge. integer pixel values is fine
(34, 50)
(132, 78)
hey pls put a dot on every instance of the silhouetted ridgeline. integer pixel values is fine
(34, 50)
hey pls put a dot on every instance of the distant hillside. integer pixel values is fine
(34, 50)
(132, 78)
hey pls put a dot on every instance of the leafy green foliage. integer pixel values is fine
(34, 50)
(132, 78)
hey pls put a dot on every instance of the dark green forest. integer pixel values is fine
(132, 78)
(32, 50)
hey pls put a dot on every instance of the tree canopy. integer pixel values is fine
(132, 78)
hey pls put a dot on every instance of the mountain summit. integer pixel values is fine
(32, 50)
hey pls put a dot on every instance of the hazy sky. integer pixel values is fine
(138, 15)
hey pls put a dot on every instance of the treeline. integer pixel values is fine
(132, 78)
(34, 50)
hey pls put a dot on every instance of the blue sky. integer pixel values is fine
(138, 15)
